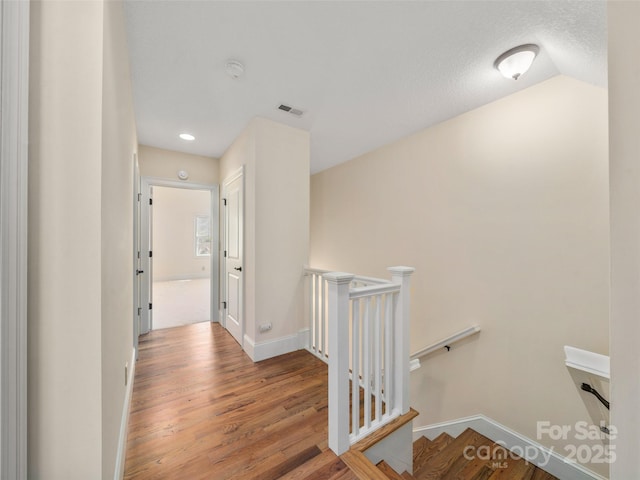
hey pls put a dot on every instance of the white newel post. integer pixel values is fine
(338, 318)
(401, 276)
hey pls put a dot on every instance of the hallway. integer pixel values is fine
(202, 409)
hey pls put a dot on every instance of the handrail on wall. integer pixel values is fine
(588, 388)
(444, 343)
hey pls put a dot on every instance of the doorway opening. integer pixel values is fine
(179, 254)
(182, 248)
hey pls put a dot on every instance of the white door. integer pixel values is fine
(233, 195)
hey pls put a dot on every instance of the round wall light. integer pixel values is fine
(513, 63)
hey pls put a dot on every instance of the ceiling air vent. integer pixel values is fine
(293, 111)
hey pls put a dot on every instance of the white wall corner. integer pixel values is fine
(273, 348)
(124, 422)
(541, 456)
(303, 338)
(249, 347)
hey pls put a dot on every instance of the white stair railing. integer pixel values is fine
(317, 308)
(360, 327)
(317, 305)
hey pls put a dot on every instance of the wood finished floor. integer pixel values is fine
(201, 409)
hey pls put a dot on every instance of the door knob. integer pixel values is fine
(138, 272)
(238, 268)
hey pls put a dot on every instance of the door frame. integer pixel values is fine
(239, 173)
(146, 183)
(137, 208)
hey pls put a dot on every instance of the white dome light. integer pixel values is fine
(513, 63)
(187, 136)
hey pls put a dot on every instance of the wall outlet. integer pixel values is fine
(265, 327)
(126, 373)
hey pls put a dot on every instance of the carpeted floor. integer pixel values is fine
(181, 302)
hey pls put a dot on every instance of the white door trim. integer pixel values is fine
(146, 184)
(14, 128)
(137, 201)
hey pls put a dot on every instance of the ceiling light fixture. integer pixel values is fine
(513, 63)
(187, 136)
(234, 68)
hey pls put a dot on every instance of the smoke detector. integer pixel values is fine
(234, 69)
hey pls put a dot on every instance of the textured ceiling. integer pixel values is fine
(365, 73)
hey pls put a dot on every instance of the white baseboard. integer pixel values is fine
(124, 422)
(272, 348)
(541, 456)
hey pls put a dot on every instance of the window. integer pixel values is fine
(203, 235)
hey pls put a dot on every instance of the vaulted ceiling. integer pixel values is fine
(364, 73)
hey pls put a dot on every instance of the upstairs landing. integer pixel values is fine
(201, 409)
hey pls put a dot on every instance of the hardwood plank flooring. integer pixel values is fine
(201, 409)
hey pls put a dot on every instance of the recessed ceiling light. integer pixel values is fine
(513, 63)
(187, 136)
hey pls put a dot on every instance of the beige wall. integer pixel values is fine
(65, 129)
(504, 213)
(165, 164)
(174, 212)
(282, 227)
(624, 125)
(82, 137)
(119, 142)
(276, 224)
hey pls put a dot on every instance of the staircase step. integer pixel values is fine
(450, 457)
(419, 447)
(446, 458)
(514, 469)
(540, 474)
(466, 466)
(476, 469)
(483, 474)
(425, 449)
(442, 441)
(385, 468)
